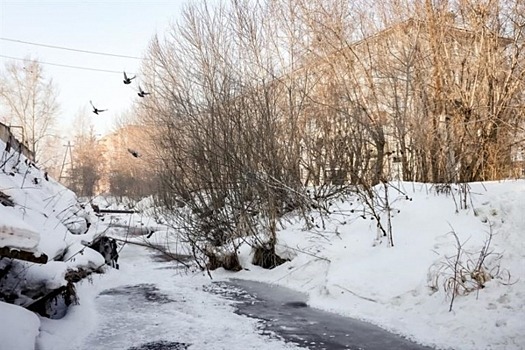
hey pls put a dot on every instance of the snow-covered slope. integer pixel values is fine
(345, 269)
(38, 216)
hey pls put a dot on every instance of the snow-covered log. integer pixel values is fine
(19, 237)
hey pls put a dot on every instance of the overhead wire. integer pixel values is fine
(70, 49)
(67, 66)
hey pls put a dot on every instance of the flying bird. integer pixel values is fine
(96, 110)
(128, 80)
(142, 93)
(134, 153)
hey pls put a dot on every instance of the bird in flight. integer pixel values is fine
(142, 93)
(128, 80)
(134, 153)
(96, 110)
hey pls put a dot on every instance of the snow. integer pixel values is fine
(41, 217)
(21, 329)
(194, 316)
(18, 235)
(78, 256)
(345, 270)
(45, 212)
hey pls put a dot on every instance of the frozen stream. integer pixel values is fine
(152, 305)
(284, 312)
(132, 314)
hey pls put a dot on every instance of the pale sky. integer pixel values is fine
(111, 26)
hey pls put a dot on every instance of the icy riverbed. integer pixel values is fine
(150, 304)
(286, 313)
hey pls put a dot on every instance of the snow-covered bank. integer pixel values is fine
(345, 270)
(44, 231)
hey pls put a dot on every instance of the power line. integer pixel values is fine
(70, 49)
(66, 66)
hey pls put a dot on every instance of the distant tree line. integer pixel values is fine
(106, 165)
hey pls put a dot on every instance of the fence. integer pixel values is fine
(11, 141)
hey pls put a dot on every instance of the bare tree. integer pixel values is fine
(87, 157)
(438, 86)
(31, 102)
(252, 101)
(129, 169)
(222, 149)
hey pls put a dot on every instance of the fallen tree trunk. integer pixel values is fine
(49, 306)
(14, 253)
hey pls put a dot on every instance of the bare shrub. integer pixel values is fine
(467, 271)
(460, 193)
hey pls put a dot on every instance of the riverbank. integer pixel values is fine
(343, 268)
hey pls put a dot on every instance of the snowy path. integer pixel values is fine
(152, 305)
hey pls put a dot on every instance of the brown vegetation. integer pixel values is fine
(256, 101)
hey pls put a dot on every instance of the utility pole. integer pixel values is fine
(68, 150)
